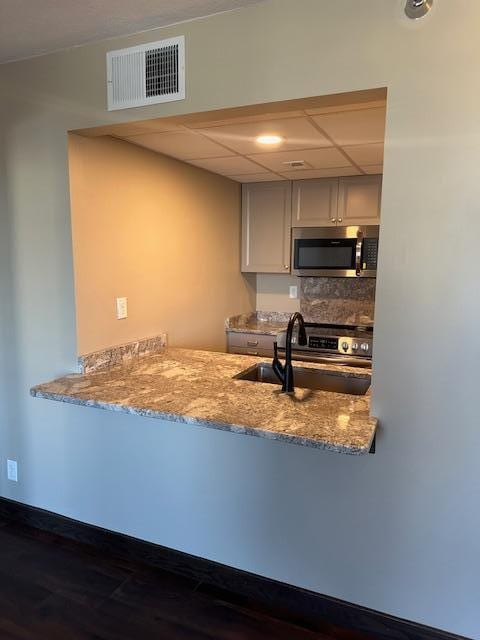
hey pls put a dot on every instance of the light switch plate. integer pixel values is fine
(293, 291)
(122, 310)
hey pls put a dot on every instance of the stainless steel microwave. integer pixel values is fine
(342, 252)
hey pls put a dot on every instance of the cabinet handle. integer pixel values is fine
(252, 343)
(252, 353)
(285, 266)
(340, 219)
(333, 219)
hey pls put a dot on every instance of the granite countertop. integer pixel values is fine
(261, 322)
(196, 387)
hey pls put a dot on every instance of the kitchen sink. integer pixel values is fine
(309, 379)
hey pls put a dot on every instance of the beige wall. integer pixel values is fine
(160, 232)
(395, 531)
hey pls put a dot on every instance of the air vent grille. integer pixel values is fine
(127, 78)
(161, 71)
(147, 74)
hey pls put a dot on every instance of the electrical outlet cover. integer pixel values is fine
(12, 470)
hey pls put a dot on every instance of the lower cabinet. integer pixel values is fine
(252, 344)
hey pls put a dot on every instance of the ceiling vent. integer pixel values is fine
(295, 164)
(147, 74)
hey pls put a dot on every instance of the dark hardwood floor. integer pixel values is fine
(52, 588)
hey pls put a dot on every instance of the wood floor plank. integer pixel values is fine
(89, 579)
(221, 619)
(59, 618)
(56, 589)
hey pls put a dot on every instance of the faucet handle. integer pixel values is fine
(277, 366)
(275, 350)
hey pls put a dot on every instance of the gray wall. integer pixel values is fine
(397, 531)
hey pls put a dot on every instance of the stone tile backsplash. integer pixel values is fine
(338, 300)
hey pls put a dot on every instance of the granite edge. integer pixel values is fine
(221, 426)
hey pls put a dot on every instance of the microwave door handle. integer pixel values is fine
(358, 254)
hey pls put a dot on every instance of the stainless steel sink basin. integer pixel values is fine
(309, 379)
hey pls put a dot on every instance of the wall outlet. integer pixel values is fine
(12, 470)
(293, 291)
(122, 310)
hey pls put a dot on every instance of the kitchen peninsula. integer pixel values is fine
(199, 388)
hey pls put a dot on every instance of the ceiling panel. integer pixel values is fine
(157, 124)
(256, 177)
(352, 106)
(231, 166)
(206, 124)
(298, 133)
(373, 169)
(366, 154)
(365, 126)
(304, 174)
(316, 158)
(183, 145)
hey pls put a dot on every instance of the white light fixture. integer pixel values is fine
(269, 139)
(417, 8)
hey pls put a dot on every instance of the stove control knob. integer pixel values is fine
(354, 346)
(345, 346)
(365, 346)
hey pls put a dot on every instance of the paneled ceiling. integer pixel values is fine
(317, 140)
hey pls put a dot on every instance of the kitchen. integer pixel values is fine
(282, 196)
(389, 538)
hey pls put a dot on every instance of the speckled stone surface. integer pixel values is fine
(197, 387)
(338, 300)
(107, 358)
(261, 322)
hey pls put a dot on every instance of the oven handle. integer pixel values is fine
(358, 254)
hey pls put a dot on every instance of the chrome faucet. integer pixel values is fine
(285, 372)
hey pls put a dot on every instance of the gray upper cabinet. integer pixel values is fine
(271, 209)
(359, 200)
(314, 203)
(266, 226)
(333, 202)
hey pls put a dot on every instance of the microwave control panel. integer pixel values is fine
(370, 252)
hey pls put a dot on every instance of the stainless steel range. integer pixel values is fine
(333, 343)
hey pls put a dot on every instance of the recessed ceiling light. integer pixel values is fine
(269, 139)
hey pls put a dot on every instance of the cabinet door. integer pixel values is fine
(266, 215)
(359, 200)
(315, 203)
